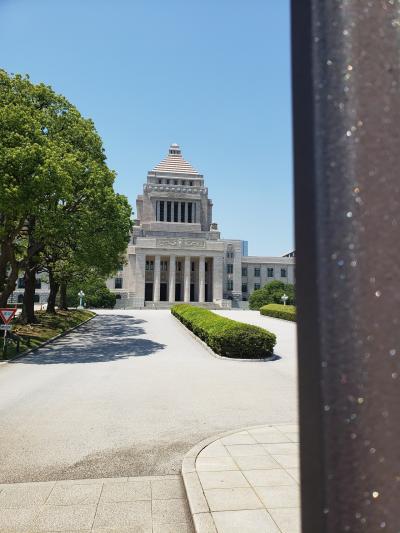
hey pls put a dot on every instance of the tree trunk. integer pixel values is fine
(63, 296)
(8, 272)
(54, 287)
(28, 309)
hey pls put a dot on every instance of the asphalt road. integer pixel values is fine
(129, 393)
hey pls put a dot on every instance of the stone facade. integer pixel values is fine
(176, 253)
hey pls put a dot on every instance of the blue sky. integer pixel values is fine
(213, 76)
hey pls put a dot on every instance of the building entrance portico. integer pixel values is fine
(175, 278)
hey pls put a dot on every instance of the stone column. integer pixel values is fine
(156, 282)
(202, 278)
(179, 211)
(186, 274)
(218, 277)
(171, 289)
(172, 211)
(140, 275)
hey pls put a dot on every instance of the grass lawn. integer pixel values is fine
(48, 326)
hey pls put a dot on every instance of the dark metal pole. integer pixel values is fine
(346, 88)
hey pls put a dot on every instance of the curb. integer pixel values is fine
(273, 357)
(46, 342)
(201, 514)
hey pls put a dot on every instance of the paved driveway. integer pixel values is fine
(129, 393)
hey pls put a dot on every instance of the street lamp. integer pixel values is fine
(81, 294)
(284, 298)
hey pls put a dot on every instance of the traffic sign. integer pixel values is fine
(6, 327)
(7, 314)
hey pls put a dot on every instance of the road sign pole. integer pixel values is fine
(5, 343)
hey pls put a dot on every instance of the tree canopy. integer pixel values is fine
(272, 293)
(58, 208)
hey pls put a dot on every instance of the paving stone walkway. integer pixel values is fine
(154, 504)
(246, 482)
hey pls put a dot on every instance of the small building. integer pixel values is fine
(42, 289)
(176, 253)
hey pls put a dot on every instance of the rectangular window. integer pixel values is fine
(206, 266)
(168, 211)
(149, 265)
(244, 271)
(244, 287)
(256, 272)
(179, 266)
(176, 212)
(118, 283)
(230, 285)
(256, 286)
(21, 283)
(190, 212)
(229, 268)
(162, 211)
(183, 211)
(193, 266)
(163, 266)
(283, 273)
(270, 272)
(38, 283)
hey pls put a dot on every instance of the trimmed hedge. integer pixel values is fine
(286, 312)
(225, 336)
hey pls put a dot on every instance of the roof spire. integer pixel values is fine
(174, 163)
(174, 149)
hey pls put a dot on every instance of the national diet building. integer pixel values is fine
(176, 253)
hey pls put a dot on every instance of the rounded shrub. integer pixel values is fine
(225, 336)
(286, 312)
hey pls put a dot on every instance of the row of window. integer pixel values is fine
(175, 211)
(36, 298)
(179, 266)
(175, 182)
(229, 286)
(21, 283)
(118, 281)
(257, 272)
(255, 287)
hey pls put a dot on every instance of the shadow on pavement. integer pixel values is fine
(105, 338)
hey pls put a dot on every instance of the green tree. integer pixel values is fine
(97, 295)
(272, 293)
(57, 203)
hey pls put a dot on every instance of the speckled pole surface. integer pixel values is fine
(347, 198)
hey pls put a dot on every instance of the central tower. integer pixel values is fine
(175, 200)
(176, 253)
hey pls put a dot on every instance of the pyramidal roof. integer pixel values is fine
(175, 163)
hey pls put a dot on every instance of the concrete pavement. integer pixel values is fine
(245, 482)
(122, 505)
(129, 393)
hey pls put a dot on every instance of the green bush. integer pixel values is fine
(287, 312)
(272, 293)
(97, 295)
(224, 336)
